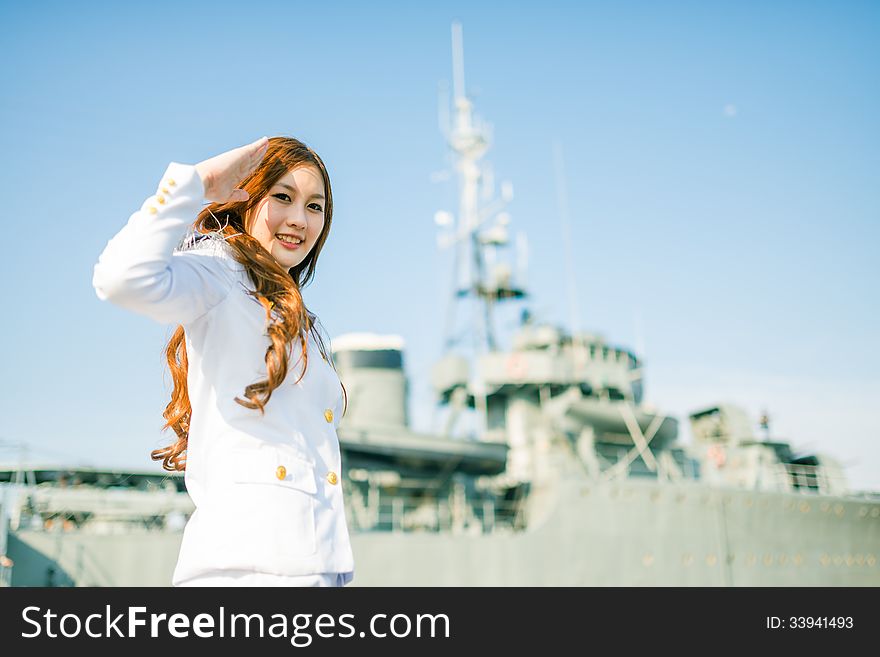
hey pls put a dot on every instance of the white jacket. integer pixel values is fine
(267, 488)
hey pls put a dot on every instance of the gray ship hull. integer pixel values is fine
(640, 534)
(625, 533)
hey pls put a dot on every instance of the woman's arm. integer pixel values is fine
(138, 268)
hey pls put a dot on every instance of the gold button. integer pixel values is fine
(328, 415)
(161, 199)
(164, 190)
(152, 210)
(281, 472)
(332, 478)
(171, 182)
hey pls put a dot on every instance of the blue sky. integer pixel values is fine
(722, 161)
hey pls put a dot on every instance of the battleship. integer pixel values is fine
(562, 475)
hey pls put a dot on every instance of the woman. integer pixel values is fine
(255, 415)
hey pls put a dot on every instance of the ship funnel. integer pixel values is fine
(371, 369)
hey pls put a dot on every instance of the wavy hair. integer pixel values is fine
(277, 290)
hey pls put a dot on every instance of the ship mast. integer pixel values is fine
(477, 275)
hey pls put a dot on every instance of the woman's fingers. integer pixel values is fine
(261, 145)
(222, 173)
(258, 152)
(254, 152)
(251, 157)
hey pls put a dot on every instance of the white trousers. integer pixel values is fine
(250, 578)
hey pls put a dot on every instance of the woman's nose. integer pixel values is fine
(296, 218)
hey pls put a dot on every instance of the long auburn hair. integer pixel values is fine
(276, 289)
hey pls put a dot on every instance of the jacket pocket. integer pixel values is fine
(274, 494)
(278, 465)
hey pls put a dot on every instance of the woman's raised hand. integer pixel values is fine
(222, 173)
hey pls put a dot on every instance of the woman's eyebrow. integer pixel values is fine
(286, 186)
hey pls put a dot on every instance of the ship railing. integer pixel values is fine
(68, 521)
(454, 515)
(809, 479)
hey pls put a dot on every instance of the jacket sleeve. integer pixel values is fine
(139, 269)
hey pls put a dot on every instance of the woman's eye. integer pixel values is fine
(281, 196)
(315, 206)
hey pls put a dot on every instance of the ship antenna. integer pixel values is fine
(469, 141)
(457, 61)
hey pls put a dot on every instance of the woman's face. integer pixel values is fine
(292, 210)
